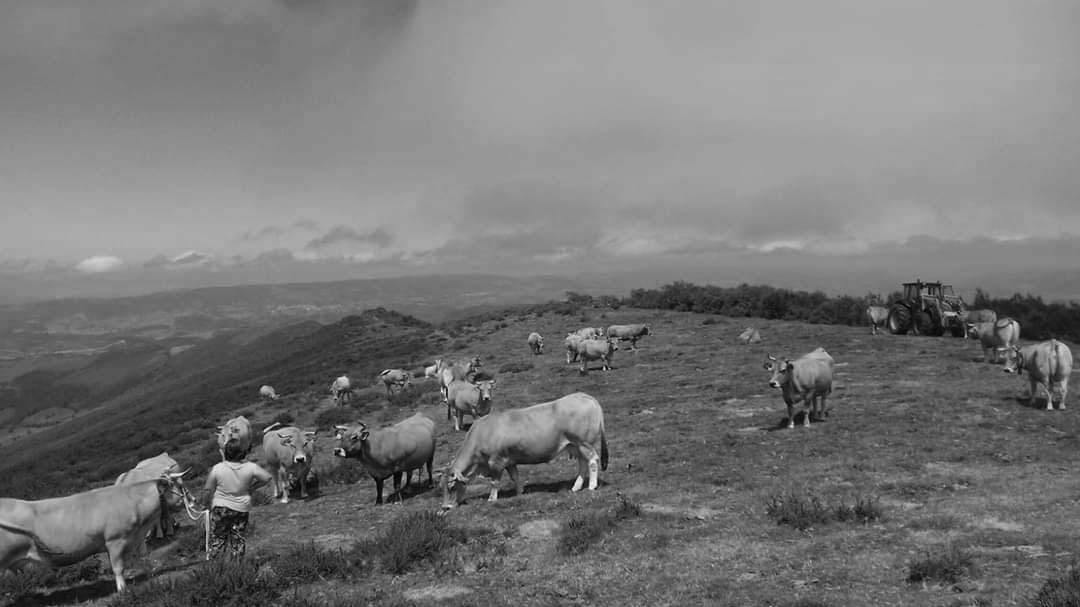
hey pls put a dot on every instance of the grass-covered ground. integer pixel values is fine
(931, 483)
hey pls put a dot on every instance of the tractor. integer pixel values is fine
(927, 308)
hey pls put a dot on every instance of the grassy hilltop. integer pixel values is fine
(931, 482)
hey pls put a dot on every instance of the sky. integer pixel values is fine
(402, 136)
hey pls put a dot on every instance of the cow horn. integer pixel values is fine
(280, 435)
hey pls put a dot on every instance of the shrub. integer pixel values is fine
(799, 511)
(396, 552)
(515, 367)
(864, 509)
(583, 530)
(949, 567)
(1061, 591)
(308, 563)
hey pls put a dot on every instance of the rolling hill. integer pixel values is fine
(709, 499)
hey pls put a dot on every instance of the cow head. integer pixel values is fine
(454, 484)
(972, 331)
(779, 368)
(485, 387)
(646, 330)
(301, 452)
(350, 439)
(172, 491)
(1014, 360)
(613, 344)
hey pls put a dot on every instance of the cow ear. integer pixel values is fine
(364, 435)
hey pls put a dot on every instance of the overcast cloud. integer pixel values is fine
(517, 133)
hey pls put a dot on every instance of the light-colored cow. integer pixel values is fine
(533, 435)
(456, 370)
(807, 379)
(571, 342)
(590, 332)
(876, 316)
(405, 446)
(341, 389)
(630, 333)
(995, 337)
(268, 393)
(750, 336)
(536, 343)
(395, 377)
(596, 349)
(237, 431)
(473, 398)
(153, 468)
(62, 531)
(433, 370)
(288, 452)
(1048, 364)
(975, 317)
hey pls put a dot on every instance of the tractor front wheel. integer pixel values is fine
(924, 324)
(899, 320)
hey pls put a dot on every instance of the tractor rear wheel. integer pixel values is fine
(899, 320)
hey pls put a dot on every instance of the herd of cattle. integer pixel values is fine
(116, 519)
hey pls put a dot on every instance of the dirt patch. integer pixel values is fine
(994, 523)
(539, 529)
(438, 592)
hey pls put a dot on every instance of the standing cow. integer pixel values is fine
(995, 337)
(876, 316)
(1048, 364)
(630, 333)
(464, 397)
(807, 379)
(395, 377)
(405, 446)
(341, 389)
(237, 431)
(596, 349)
(62, 531)
(268, 393)
(456, 370)
(975, 317)
(536, 343)
(533, 435)
(288, 452)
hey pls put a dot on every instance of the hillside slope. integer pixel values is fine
(921, 431)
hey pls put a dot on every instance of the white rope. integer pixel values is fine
(195, 515)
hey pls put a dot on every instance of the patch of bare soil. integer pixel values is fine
(438, 592)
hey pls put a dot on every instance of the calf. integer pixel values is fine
(341, 389)
(1048, 364)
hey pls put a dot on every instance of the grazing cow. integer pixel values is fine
(571, 342)
(596, 349)
(151, 469)
(433, 370)
(237, 431)
(1048, 364)
(876, 316)
(341, 389)
(977, 316)
(536, 343)
(533, 435)
(473, 398)
(288, 453)
(590, 332)
(806, 379)
(995, 337)
(62, 531)
(395, 377)
(750, 336)
(630, 333)
(268, 393)
(401, 448)
(459, 370)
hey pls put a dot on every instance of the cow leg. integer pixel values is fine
(791, 415)
(459, 418)
(397, 487)
(378, 491)
(823, 411)
(808, 407)
(496, 476)
(582, 471)
(1049, 396)
(116, 561)
(513, 471)
(591, 460)
(303, 486)
(1064, 390)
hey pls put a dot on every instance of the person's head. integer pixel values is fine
(233, 452)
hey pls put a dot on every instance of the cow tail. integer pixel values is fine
(603, 451)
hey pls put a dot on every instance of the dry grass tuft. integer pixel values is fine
(950, 566)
